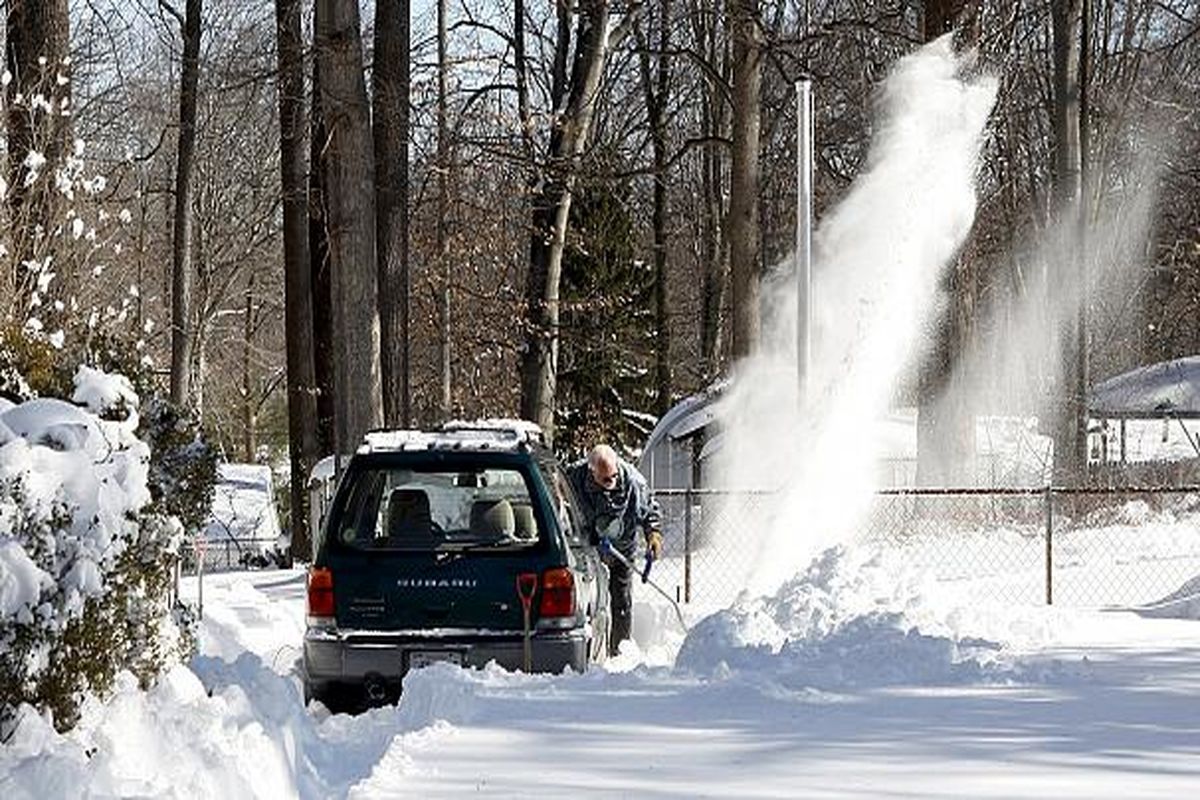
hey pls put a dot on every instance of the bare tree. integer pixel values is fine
(301, 378)
(36, 53)
(714, 113)
(181, 253)
(1070, 430)
(656, 86)
(445, 349)
(348, 165)
(744, 230)
(552, 204)
(390, 100)
(320, 271)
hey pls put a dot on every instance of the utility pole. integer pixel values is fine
(804, 220)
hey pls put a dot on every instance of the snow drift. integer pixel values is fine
(860, 618)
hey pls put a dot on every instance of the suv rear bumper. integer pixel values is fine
(353, 658)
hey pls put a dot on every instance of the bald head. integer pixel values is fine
(603, 465)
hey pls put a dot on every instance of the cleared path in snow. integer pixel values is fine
(1113, 710)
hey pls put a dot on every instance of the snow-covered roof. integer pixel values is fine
(485, 434)
(687, 416)
(1166, 389)
(323, 470)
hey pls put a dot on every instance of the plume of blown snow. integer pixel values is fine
(878, 259)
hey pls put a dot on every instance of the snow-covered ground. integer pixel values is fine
(862, 676)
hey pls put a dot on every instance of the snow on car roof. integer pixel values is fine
(484, 434)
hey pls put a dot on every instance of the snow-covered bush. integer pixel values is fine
(183, 464)
(86, 558)
(29, 366)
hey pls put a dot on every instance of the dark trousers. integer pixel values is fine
(620, 588)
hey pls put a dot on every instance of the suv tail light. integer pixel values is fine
(558, 593)
(320, 597)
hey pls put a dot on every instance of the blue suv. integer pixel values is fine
(459, 545)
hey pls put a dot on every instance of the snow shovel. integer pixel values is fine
(606, 546)
(526, 587)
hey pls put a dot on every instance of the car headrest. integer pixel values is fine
(526, 526)
(492, 518)
(408, 515)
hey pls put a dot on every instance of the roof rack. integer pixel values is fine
(485, 434)
(519, 429)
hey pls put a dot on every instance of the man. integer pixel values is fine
(614, 499)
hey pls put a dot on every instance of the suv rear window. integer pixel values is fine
(394, 508)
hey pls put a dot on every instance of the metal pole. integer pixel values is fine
(200, 579)
(687, 546)
(1049, 546)
(804, 205)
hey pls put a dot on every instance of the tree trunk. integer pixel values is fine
(297, 288)
(945, 423)
(656, 82)
(36, 29)
(249, 422)
(321, 277)
(348, 162)
(390, 96)
(552, 211)
(181, 250)
(744, 179)
(714, 247)
(443, 243)
(1070, 430)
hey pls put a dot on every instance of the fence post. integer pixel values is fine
(1049, 546)
(200, 575)
(687, 546)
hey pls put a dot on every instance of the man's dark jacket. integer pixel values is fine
(629, 500)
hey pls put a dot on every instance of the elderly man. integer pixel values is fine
(614, 499)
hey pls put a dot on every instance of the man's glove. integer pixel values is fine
(654, 544)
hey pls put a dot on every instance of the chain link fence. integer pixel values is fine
(1069, 546)
(223, 555)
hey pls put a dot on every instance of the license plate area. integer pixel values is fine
(423, 658)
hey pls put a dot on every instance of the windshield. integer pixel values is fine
(420, 510)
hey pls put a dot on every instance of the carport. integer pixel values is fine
(1167, 390)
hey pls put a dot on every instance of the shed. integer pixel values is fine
(684, 437)
(1166, 393)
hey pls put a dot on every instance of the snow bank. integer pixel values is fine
(857, 618)
(173, 741)
(1183, 603)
